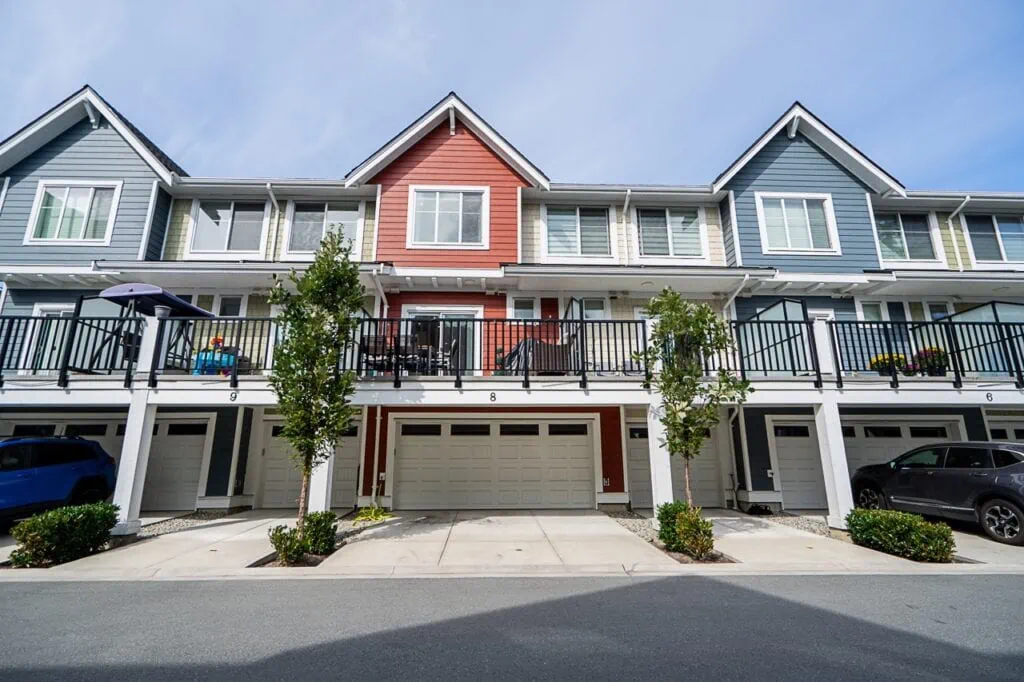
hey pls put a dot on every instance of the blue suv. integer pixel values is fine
(42, 473)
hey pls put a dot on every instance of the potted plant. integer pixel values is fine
(932, 361)
(886, 363)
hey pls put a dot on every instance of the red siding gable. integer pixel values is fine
(444, 159)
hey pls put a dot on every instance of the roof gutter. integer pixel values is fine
(952, 233)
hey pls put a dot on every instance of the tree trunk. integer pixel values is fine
(304, 495)
(686, 479)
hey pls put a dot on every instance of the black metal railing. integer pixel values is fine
(769, 349)
(219, 346)
(960, 350)
(47, 346)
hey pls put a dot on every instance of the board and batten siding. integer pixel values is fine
(159, 229)
(79, 153)
(728, 243)
(797, 165)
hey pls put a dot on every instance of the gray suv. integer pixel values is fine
(970, 481)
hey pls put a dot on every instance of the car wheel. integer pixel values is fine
(870, 497)
(1003, 521)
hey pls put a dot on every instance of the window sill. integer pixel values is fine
(998, 265)
(448, 247)
(914, 265)
(802, 252)
(66, 242)
(673, 260)
(224, 255)
(554, 259)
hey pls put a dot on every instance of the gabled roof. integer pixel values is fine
(451, 103)
(799, 118)
(85, 103)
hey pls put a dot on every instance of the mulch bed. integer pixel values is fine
(715, 557)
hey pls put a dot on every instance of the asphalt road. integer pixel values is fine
(831, 628)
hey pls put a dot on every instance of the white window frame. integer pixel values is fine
(884, 302)
(989, 264)
(193, 221)
(563, 302)
(634, 235)
(37, 203)
(830, 222)
(32, 338)
(217, 296)
(613, 237)
(289, 218)
(485, 217)
(936, 263)
(510, 306)
(410, 309)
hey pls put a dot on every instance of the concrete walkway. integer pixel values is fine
(972, 544)
(472, 541)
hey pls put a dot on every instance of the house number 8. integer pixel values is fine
(494, 397)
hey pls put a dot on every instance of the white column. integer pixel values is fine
(320, 485)
(823, 345)
(833, 462)
(661, 464)
(131, 469)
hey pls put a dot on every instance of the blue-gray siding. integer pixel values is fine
(844, 308)
(22, 301)
(161, 212)
(219, 473)
(243, 450)
(80, 153)
(728, 241)
(797, 165)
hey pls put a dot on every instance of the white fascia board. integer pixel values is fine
(447, 272)
(830, 278)
(430, 121)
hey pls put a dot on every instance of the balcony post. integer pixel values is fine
(395, 336)
(737, 329)
(837, 365)
(819, 349)
(954, 354)
(69, 342)
(132, 352)
(834, 466)
(131, 468)
(660, 458)
(152, 343)
(583, 350)
(7, 323)
(893, 372)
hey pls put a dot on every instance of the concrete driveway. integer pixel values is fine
(489, 540)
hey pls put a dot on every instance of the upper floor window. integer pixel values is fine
(996, 238)
(578, 231)
(311, 221)
(228, 226)
(904, 236)
(70, 212)
(448, 217)
(671, 232)
(525, 309)
(797, 223)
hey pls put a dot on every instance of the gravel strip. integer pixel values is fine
(811, 524)
(180, 523)
(638, 525)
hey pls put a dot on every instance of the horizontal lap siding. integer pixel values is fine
(797, 165)
(443, 159)
(728, 244)
(80, 153)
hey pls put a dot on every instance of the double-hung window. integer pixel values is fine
(904, 236)
(311, 221)
(670, 232)
(996, 238)
(73, 212)
(578, 231)
(227, 226)
(797, 223)
(525, 309)
(448, 217)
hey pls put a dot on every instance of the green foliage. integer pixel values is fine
(320, 532)
(694, 533)
(901, 534)
(62, 535)
(372, 514)
(667, 531)
(684, 334)
(319, 319)
(288, 543)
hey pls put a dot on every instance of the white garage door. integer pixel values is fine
(282, 480)
(500, 464)
(876, 442)
(705, 483)
(796, 450)
(175, 465)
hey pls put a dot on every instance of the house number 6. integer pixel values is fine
(988, 397)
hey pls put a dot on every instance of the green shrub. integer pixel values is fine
(901, 534)
(694, 533)
(288, 544)
(62, 535)
(667, 515)
(320, 532)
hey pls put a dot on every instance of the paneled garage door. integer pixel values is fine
(175, 465)
(796, 449)
(875, 442)
(705, 483)
(282, 481)
(494, 464)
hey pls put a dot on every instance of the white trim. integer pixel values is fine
(830, 220)
(770, 421)
(510, 308)
(613, 238)
(211, 427)
(376, 222)
(236, 448)
(31, 339)
(289, 217)
(485, 217)
(989, 264)
(633, 230)
(884, 301)
(3, 192)
(734, 226)
(410, 309)
(747, 482)
(938, 250)
(427, 123)
(150, 211)
(623, 444)
(814, 129)
(93, 185)
(191, 254)
(519, 224)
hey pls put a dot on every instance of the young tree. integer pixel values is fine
(684, 334)
(318, 320)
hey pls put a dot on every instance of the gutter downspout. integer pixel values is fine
(732, 297)
(952, 233)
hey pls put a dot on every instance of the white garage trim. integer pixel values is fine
(204, 467)
(393, 419)
(773, 450)
(623, 425)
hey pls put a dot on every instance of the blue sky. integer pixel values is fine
(590, 91)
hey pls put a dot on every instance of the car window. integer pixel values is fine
(922, 459)
(967, 458)
(1005, 458)
(57, 453)
(15, 457)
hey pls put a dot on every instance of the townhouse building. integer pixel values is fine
(495, 354)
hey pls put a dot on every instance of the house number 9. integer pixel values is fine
(234, 396)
